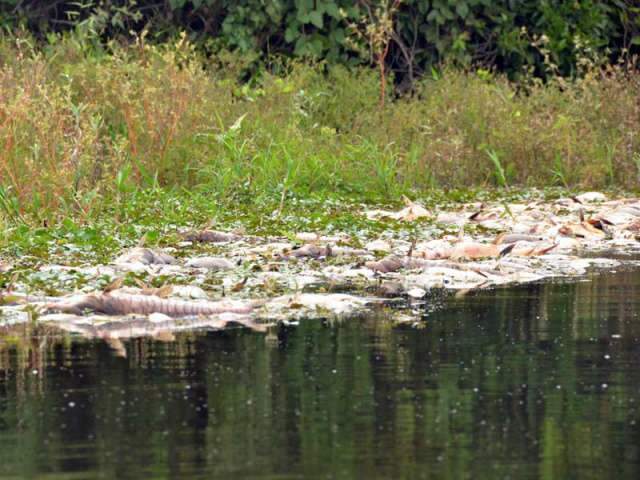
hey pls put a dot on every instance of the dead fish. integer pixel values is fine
(590, 197)
(631, 210)
(633, 226)
(481, 216)
(311, 250)
(533, 251)
(600, 223)
(212, 236)
(145, 256)
(581, 230)
(211, 263)
(114, 303)
(505, 238)
(391, 289)
(389, 264)
(312, 237)
(463, 251)
(411, 212)
(433, 253)
(394, 263)
(378, 246)
(473, 250)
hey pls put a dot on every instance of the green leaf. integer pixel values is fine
(315, 18)
(446, 13)
(462, 9)
(291, 33)
(304, 5)
(332, 10)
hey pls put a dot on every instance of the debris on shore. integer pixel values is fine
(217, 278)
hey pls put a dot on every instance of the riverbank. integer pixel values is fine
(88, 131)
(341, 261)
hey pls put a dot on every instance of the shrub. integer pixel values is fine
(82, 126)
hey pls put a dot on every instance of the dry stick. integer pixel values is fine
(282, 197)
(382, 56)
(381, 59)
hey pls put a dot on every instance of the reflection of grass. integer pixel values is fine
(25, 346)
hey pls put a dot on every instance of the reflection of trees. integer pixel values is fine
(504, 382)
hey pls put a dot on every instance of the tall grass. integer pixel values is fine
(82, 125)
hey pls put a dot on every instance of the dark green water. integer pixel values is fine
(534, 382)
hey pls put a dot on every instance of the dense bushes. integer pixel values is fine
(548, 36)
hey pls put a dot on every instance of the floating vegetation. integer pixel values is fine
(216, 279)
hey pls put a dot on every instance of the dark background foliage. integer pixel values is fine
(508, 35)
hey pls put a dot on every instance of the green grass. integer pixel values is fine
(87, 131)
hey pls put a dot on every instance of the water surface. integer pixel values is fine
(539, 381)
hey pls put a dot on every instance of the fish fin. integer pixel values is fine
(507, 250)
(547, 249)
(114, 285)
(142, 241)
(480, 272)
(411, 247)
(240, 285)
(164, 291)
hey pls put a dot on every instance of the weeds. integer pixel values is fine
(499, 173)
(84, 130)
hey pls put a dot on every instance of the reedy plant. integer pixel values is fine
(74, 117)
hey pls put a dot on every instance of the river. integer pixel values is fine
(536, 381)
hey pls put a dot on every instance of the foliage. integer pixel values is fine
(505, 34)
(83, 129)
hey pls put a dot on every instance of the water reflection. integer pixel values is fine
(535, 382)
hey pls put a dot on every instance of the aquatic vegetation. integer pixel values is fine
(331, 272)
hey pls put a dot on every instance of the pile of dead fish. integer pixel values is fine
(263, 280)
